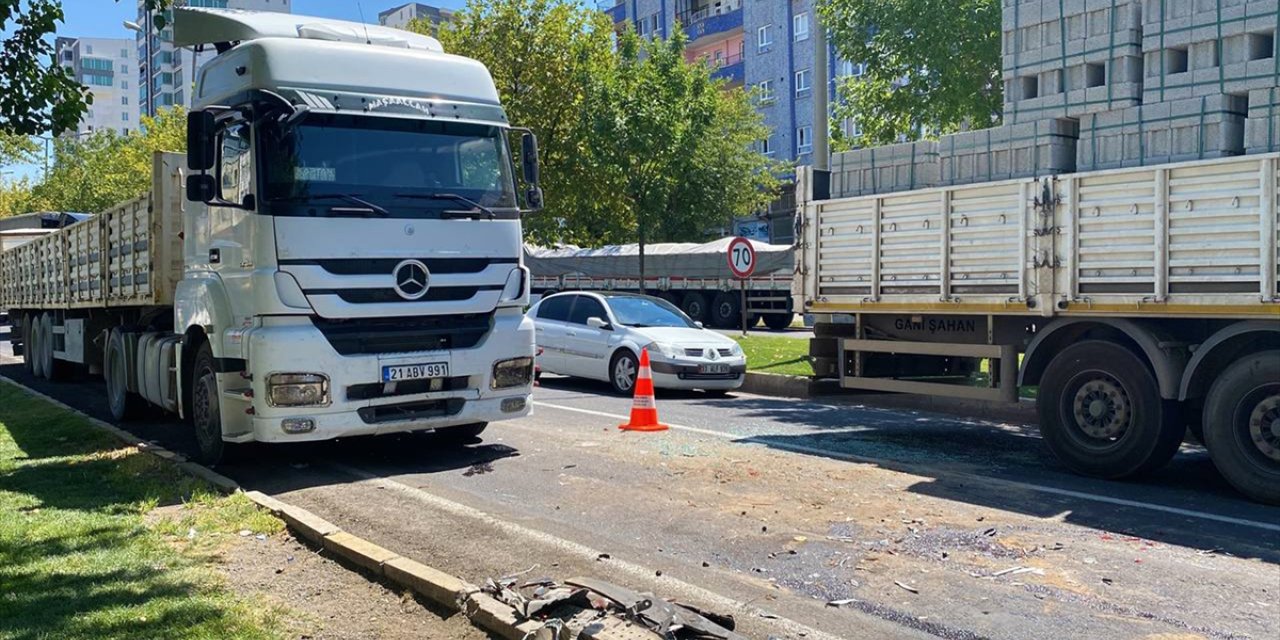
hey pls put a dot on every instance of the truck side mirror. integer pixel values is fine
(202, 187)
(533, 198)
(201, 141)
(529, 158)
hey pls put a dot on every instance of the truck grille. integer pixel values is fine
(363, 336)
(378, 266)
(434, 294)
(411, 410)
(371, 390)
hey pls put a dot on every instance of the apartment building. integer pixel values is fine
(107, 67)
(399, 17)
(166, 73)
(762, 44)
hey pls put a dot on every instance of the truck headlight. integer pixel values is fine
(297, 389)
(514, 289)
(515, 372)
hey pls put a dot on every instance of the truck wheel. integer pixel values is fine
(206, 410)
(623, 370)
(1102, 415)
(725, 311)
(461, 434)
(778, 321)
(54, 369)
(694, 305)
(124, 405)
(1242, 426)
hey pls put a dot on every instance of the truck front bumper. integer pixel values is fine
(359, 402)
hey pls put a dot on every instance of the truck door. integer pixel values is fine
(230, 250)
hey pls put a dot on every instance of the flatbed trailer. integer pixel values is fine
(1141, 302)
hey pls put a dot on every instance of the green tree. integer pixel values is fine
(677, 144)
(540, 53)
(38, 95)
(94, 172)
(930, 64)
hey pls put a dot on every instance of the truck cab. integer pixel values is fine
(352, 241)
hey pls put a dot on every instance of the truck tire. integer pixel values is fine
(461, 434)
(1102, 415)
(124, 405)
(1242, 426)
(778, 321)
(206, 407)
(54, 369)
(725, 310)
(694, 305)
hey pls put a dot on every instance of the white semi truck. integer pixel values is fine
(337, 254)
(1140, 302)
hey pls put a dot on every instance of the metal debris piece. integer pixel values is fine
(907, 587)
(840, 603)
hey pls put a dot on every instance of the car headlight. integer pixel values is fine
(665, 350)
(515, 372)
(736, 350)
(297, 389)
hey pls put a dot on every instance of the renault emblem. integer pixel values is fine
(411, 279)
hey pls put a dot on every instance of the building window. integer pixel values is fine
(95, 64)
(124, 84)
(177, 98)
(802, 82)
(763, 37)
(98, 80)
(124, 68)
(124, 116)
(766, 91)
(764, 147)
(88, 49)
(850, 68)
(804, 139)
(124, 53)
(124, 100)
(800, 26)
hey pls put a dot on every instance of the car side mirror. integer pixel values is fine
(201, 140)
(597, 323)
(698, 323)
(202, 187)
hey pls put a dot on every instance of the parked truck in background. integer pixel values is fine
(694, 277)
(1139, 302)
(337, 254)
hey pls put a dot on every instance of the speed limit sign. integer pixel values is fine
(742, 258)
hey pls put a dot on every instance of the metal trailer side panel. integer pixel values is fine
(1194, 239)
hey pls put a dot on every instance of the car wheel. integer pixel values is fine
(623, 370)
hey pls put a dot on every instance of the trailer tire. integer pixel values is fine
(726, 313)
(694, 305)
(124, 405)
(1242, 426)
(206, 408)
(54, 369)
(778, 321)
(28, 357)
(1101, 412)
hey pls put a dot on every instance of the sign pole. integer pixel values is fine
(744, 306)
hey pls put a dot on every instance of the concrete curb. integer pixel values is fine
(773, 384)
(437, 587)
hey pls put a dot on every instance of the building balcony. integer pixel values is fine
(729, 69)
(712, 20)
(617, 12)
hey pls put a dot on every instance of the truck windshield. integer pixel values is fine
(397, 167)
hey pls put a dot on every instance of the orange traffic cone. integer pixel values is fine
(644, 408)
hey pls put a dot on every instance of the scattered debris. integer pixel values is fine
(477, 469)
(603, 556)
(907, 587)
(245, 533)
(840, 603)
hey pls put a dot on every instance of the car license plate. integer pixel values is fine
(401, 372)
(713, 368)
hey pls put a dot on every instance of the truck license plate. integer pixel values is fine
(415, 371)
(713, 368)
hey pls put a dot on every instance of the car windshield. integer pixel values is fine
(397, 167)
(636, 311)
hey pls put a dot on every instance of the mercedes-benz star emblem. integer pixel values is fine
(411, 279)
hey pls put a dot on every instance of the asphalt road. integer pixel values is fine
(803, 519)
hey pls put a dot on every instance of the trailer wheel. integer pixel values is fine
(694, 305)
(1242, 426)
(54, 369)
(778, 321)
(124, 405)
(725, 310)
(1102, 415)
(206, 409)
(28, 356)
